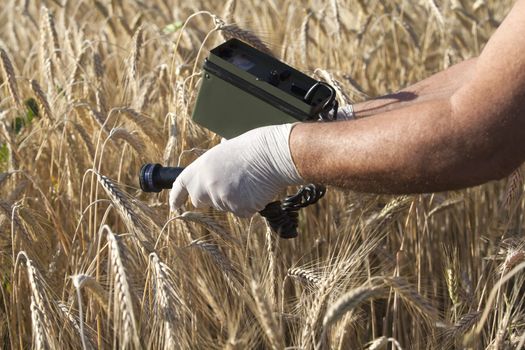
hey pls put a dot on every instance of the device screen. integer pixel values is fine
(241, 61)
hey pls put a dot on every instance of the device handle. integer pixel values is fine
(155, 177)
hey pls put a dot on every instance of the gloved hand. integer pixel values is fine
(240, 175)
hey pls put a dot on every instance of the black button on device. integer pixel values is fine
(285, 74)
(273, 78)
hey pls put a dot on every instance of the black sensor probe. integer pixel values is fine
(282, 216)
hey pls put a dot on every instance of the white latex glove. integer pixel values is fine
(240, 175)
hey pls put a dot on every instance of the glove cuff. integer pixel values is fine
(280, 154)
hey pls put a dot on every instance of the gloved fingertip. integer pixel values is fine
(178, 195)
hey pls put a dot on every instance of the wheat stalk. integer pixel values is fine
(265, 315)
(382, 342)
(167, 302)
(229, 9)
(412, 297)
(304, 39)
(452, 284)
(336, 17)
(73, 321)
(514, 188)
(42, 313)
(98, 116)
(219, 258)
(123, 313)
(209, 223)
(463, 325)
(132, 140)
(144, 124)
(513, 258)
(304, 276)
(138, 40)
(98, 68)
(436, 12)
(126, 211)
(39, 336)
(74, 79)
(83, 281)
(348, 302)
(42, 99)
(9, 72)
(148, 89)
(229, 31)
(9, 212)
(86, 138)
(50, 28)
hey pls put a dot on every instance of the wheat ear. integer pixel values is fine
(50, 27)
(304, 276)
(514, 188)
(74, 79)
(132, 140)
(167, 302)
(42, 99)
(9, 72)
(138, 40)
(122, 302)
(144, 124)
(43, 326)
(382, 342)
(348, 302)
(209, 223)
(218, 256)
(38, 327)
(265, 315)
(463, 325)
(126, 211)
(412, 297)
(229, 31)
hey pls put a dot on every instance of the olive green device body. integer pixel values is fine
(243, 88)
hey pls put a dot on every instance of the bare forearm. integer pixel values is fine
(410, 150)
(439, 86)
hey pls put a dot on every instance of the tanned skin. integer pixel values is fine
(459, 128)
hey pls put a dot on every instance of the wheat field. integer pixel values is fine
(92, 89)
